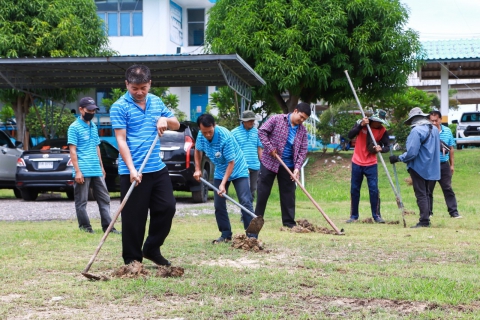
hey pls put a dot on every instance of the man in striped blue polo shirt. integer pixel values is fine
(230, 166)
(247, 138)
(137, 118)
(446, 166)
(83, 142)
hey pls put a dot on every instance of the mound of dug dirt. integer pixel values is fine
(241, 241)
(304, 226)
(137, 270)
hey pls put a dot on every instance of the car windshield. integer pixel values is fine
(172, 136)
(471, 117)
(51, 144)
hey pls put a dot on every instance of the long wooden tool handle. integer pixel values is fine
(229, 198)
(330, 222)
(119, 210)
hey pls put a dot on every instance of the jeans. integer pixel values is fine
(253, 182)
(242, 187)
(286, 188)
(371, 172)
(101, 196)
(420, 186)
(446, 185)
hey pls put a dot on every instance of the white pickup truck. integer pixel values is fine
(468, 129)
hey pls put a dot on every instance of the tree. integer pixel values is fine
(48, 120)
(301, 48)
(169, 99)
(50, 28)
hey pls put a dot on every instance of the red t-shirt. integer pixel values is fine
(361, 156)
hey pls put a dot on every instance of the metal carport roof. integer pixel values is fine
(178, 70)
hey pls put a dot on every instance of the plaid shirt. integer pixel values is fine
(273, 134)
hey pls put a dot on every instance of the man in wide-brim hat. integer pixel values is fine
(247, 138)
(422, 158)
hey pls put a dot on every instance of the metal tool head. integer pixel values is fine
(91, 276)
(255, 225)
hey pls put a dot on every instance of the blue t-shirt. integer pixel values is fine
(249, 142)
(85, 137)
(287, 155)
(447, 137)
(141, 126)
(221, 150)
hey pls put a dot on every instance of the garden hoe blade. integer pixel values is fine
(257, 222)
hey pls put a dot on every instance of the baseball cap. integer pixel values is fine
(88, 103)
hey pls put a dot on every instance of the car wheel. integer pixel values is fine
(17, 193)
(201, 196)
(70, 195)
(29, 194)
(459, 146)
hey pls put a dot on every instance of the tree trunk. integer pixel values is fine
(21, 109)
(292, 103)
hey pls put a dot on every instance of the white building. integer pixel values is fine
(158, 27)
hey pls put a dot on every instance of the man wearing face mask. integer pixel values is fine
(83, 142)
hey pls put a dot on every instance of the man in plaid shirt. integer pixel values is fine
(282, 134)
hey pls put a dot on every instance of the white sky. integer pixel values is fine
(444, 19)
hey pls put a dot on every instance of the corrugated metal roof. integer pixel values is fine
(460, 49)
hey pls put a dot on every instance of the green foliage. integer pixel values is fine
(338, 119)
(45, 123)
(6, 113)
(171, 100)
(453, 127)
(302, 48)
(228, 113)
(399, 104)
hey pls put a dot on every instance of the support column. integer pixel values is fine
(444, 107)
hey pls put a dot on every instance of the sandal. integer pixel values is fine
(221, 240)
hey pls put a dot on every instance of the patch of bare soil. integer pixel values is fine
(370, 220)
(241, 241)
(136, 270)
(326, 164)
(408, 180)
(304, 226)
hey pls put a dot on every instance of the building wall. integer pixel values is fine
(159, 28)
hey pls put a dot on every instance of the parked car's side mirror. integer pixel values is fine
(455, 121)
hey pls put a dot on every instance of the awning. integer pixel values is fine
(177, 70)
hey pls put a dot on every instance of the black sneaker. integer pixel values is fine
(158, 259)
(456, 216)
(114, 231)
(418, 225)
(379, 220)
(351, 220)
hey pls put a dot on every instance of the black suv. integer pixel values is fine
(177, 150)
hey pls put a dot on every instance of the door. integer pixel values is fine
(198, 102)
(8, 158)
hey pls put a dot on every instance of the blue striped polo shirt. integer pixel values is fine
(447, 137)
(85, 137)
(249, 142)
(221, 150)
(141, 126)
(287, 155)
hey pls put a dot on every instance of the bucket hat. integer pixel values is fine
(415, 112)
(380, 116)
(247, 115)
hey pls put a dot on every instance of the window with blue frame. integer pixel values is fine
(122, 18)
(196, 26)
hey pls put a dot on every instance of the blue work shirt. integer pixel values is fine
(249, 141)
(423, 158)
(141, 126)
(287, 155)
(221, 150)
(447, 137)
(85, 137)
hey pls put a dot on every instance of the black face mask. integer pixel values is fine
(88, 116)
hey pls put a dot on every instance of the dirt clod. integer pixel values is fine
(304, 226)
(408, 180)
(133, 270)
(241, 241)
(370, 220)
(170, 272)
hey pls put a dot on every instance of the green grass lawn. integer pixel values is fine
(372, 272)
